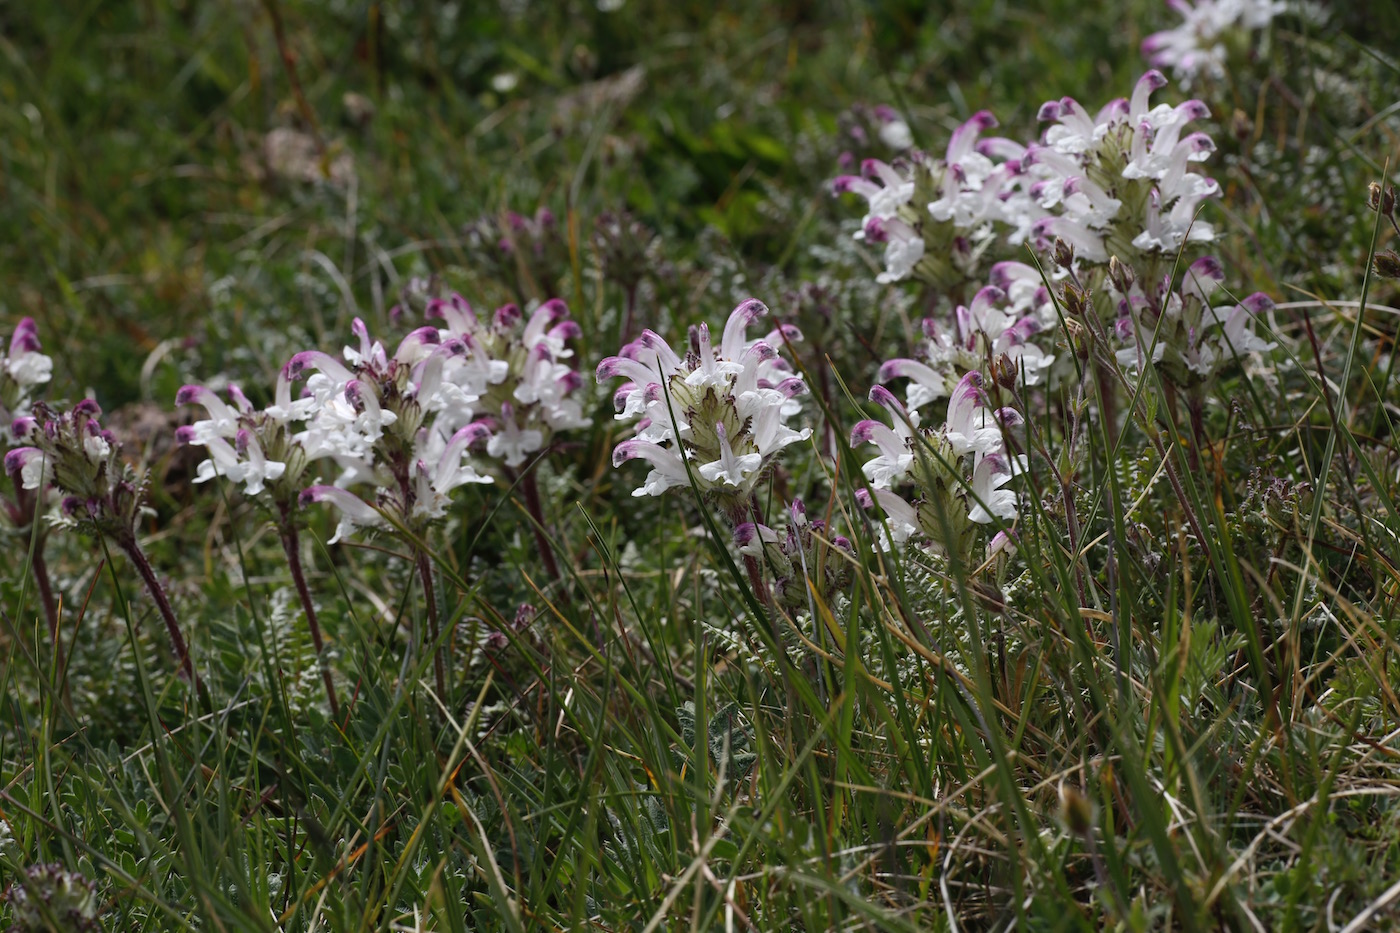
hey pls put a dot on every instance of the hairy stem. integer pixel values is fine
(40, 568)
(128, 543)
(287, 531)
(425, 573)
(531, 492)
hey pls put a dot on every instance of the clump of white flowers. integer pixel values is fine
(934, 217)
(1119, 183)
(1195, 340)
(940, 484)
(996, 327)
(391, 423)
(516, 372)
(1201, 44)
(721, 409)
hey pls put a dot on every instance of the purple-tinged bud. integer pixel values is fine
(23, 426)
(555, 311)
(864, 499)
(1193, 110)
(745, 533)
(792, 387)
(885, 398)
(25, 338)
(506, 316)
(842, 184)
(761, 351)
(24, 341)
(241, 440)
(620, 396)
(190, 395)
(567, 330)
(87, 408)
(184, 434)
(1050, 110)
(865, 430)
(1009, 417)
(1258, 303)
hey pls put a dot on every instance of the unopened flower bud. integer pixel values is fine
(1063, 254)
(1004, 371)
(1381, 199)
(1076, 300)
(1388, 264)
(1120, 275)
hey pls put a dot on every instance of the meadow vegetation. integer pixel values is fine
(632, 465)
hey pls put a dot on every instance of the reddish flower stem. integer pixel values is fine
(287, 531)
(531, 492)
(133, 550)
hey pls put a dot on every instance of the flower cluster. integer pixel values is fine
(800, 558)
(1118, 183)
(389, 422)
(1115, 183)
(48, 893)
(258, 448)
(863, 126)
(404, 423)
(1209, 30)
(21, 370)
(1194, 340)
(999, 326)
(721, 409)
(529, 251)
(515, 372)
(933, 216)
(73, 453)
(940, 483)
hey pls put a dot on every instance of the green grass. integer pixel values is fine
(1156, 729)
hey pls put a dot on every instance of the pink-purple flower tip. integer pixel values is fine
(17, 458)
(983, 120)
(1258, 303)
(1153, 79)
(87, 408)
(885, 398)
(841, 184)
(864, 430)
(189, 395)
